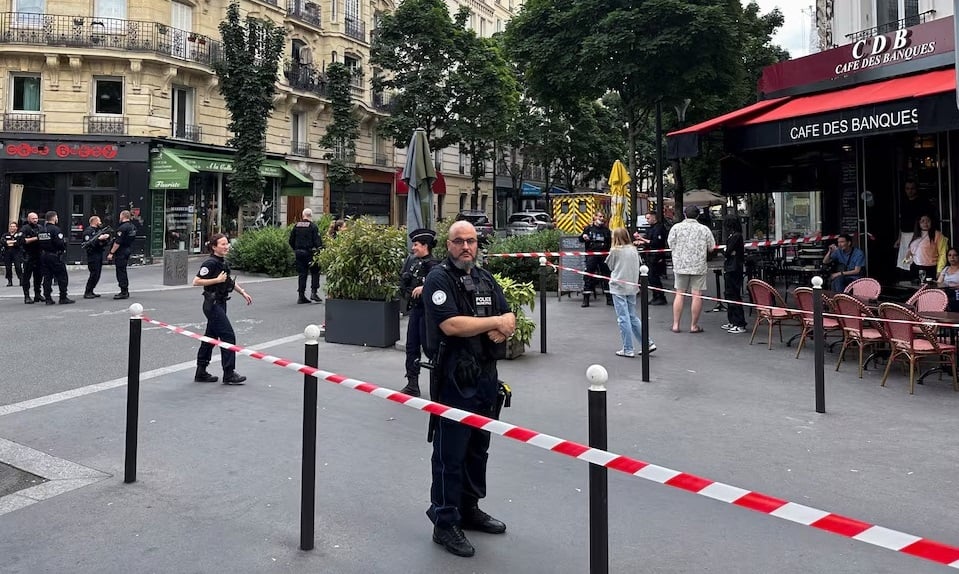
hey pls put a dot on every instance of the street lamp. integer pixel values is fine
(681, 117)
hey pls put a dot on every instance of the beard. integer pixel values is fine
(466, 266)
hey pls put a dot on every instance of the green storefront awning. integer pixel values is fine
(171, 169)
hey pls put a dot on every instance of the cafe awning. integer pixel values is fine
(685, 142)
(171, 169)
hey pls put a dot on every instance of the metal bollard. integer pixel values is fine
(819, 337)
(308, 474)
(543, 270)
(598, 480)
(644, 317)
(133, 393)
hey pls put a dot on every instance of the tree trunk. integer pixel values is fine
(633, 188)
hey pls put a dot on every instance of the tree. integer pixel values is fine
(247, 73)
(341, 133)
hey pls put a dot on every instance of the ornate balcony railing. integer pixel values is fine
(354, 29)
(107, 33)
(380, 159)
(300, 148)
(892, 26)
(23, 122)
(308, 12)
(342, 154)
(305, 77)
(382, 101)
(189, 132)
(110, 125)
(358, 84)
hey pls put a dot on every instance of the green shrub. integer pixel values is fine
(523, 269)
(364, 261)
(519, 295)
(266, 250)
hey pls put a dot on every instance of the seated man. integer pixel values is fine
(849, 262)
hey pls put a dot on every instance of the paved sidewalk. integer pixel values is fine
(218, 471)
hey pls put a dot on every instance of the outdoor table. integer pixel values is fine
(941, 317)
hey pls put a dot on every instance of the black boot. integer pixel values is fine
(412, 387)
(202, 376)
(315, 297)
(28, 300)
(233, 378)
(122, 295)
(301, 299)
(89, 295)
(585, 300)
(64, 300)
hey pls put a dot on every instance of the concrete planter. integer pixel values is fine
(367, 323)
(514, 349)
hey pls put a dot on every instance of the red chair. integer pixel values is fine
(930, 300)
(770, 308)
(804, 297)
(911, 346)
(911, 302)
(866, 288)
(856, 330)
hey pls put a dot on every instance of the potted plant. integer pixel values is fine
(362, 268)
(519, 295)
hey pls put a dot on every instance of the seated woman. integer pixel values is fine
(949, 278)
(927, 250)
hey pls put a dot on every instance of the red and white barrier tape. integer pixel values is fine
(924, 548)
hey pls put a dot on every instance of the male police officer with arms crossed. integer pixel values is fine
(94, 241)
(52, 248)
(305, 241)
(120, 253)
(467, 324)
(31, 258)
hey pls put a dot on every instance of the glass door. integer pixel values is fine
(83, 206)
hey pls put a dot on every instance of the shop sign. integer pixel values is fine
(62, 150)
(855, 125)
(884, 49)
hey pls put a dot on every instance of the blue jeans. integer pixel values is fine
(629, 323)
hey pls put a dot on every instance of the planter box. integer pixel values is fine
(514, 349)
(368, 323)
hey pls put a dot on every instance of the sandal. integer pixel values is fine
(697, 330)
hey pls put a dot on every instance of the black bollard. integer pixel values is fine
(719, 292)
(819, 344)
(133, 394)
(308, 474)
(598, 485)
(543, 270)
(644, 317)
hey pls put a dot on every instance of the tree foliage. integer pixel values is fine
(247, 73)
(342, 131)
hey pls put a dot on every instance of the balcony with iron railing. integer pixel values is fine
(51, 30)
(305, 77)
(358, 83)
(354, 29)
(907, 22)
(304, 11)
(109, 125)
(382, 101)
(189, 132)
(25, 122)
(342, 153)
(301, 149)
(380, 159)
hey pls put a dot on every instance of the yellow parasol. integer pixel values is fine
(619, 191)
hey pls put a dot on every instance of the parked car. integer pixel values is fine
(484, 229)
(526, 222)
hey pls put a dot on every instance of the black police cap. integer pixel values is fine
(424, 236)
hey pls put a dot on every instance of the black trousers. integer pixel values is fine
(657, 270)
(733, 291)
(53, 268)
(11, 260)
(121, 259)
(95, 265)
(305, 265)
(31, 269)
(217, 327)
(595, 264)
(414, 340)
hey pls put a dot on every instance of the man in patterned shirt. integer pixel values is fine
(690, 242)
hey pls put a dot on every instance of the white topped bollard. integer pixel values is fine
(311, 334)
(819, 344)
(644, 318)
(543, 270)
(308, 470)
(598, 480)
(136, 310)
(133, 393)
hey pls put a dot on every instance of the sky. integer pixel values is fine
(797, 28)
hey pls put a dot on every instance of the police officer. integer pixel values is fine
(94, 242)
(29, 239)
(415, 269)
(12, 253)
(305, 241)
(52, 248)
(656, 240)
(214, 277)
(120, 252)
(596, 237)
(467, 325)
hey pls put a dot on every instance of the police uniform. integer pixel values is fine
(413, 275)
(126, 234)
(657, 240)
(31, 262)
(464, 376)
(12, 256)
(52, 248)
(305, 240)
(598, 238)
(95, 249)
(217, 323)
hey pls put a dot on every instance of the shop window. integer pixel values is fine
(26, 93)
(889, 12)
(108, 96)
(796, 214)
(110, 9)
(94, 179)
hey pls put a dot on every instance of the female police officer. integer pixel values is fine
(214, 277)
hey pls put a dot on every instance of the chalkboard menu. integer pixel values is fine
(570, 281)
(849, 204)
(156, 224)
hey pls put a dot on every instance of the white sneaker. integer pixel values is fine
(736, 330)
(652, 347)
(625, 353)
(727, 326)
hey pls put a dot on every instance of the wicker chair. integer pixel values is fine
(926, 300)
(770, 309)
(804, 297)
(866, 288)
(911, 346)
(911, 302)
(855, 329)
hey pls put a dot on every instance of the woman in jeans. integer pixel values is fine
(623, 262)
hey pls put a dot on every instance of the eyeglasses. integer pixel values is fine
(461, 242)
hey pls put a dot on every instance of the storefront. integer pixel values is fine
(840, 136)
(77, 177)
(190, 197)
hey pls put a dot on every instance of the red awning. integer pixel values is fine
(902, 88)
(734, 117)
(439, 185)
